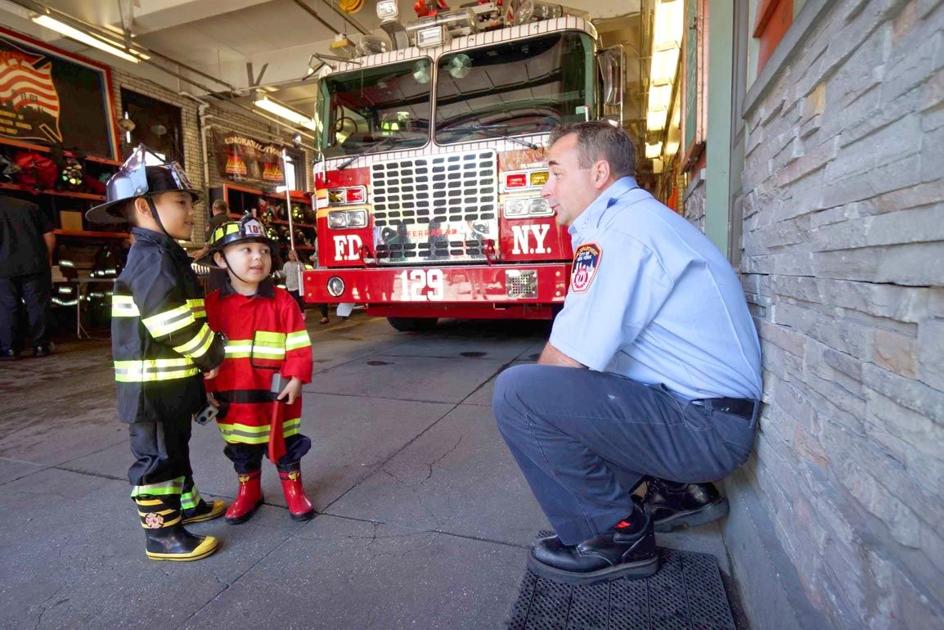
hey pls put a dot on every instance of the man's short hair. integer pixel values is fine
(219, 205)
(599, 140)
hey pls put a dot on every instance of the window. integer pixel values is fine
(521, 87)
(378, 109)
(774, 17)
(294, 176)
(156, 124)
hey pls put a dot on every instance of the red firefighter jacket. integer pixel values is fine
(265, 335)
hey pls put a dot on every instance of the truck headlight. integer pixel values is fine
(341, 219)
(524, 207)
(335, 286)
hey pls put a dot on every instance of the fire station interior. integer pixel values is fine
(421, 517)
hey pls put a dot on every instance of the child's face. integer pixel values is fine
(176, 212)
(250, 261)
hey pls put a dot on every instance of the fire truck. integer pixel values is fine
(428, 186)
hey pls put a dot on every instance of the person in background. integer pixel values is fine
(292, 269)
(314, 262)
(26, 245)
(219, 214)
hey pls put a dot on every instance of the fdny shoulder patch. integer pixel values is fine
(586, 261)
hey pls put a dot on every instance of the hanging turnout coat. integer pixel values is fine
(265, 335)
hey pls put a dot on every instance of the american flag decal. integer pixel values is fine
(29, 101)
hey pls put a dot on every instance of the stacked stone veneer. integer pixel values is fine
(843, 265)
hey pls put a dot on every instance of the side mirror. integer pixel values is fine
(609, 60)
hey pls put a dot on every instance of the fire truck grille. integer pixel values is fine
(435, 208)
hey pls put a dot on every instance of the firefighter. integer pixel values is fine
(160, 345)
(268, 358)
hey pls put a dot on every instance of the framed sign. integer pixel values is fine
(244, 159)
(52, 97)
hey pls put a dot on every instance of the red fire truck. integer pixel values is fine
(428, 189)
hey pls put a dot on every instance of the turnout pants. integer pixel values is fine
(162, 461)
(34, 289)
(247, 458)
(584, 441)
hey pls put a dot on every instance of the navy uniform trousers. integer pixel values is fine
(585, 440)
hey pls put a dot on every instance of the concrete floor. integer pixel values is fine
(423, 522)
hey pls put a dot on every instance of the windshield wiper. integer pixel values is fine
(376, 145)
(480, 127)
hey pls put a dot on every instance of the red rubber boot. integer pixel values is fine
(248, 498)
(299, 507)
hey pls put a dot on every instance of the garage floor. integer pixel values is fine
(424, 519)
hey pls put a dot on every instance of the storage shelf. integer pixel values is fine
(54, 193)
(91, 234)
(43, 149)
(301, 225)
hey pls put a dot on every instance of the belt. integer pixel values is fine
(736, 406)
(246, 396)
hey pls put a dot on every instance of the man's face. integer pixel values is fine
(176, 212)
(569, 188)
(250, 261)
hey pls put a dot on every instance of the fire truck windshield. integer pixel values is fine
(382, 108)
(514, 88)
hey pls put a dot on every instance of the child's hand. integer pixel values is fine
(212, 400)
(211, 374)
(291, 391)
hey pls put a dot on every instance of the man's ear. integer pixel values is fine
(601, 174)
(219, 260)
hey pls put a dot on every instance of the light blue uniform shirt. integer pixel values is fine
(653, 299)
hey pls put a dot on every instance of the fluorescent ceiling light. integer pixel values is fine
(653, 150)
(659, 97)
(664, 65)
(282, 111)
(669, 23)
(655, 121)
(80, 36)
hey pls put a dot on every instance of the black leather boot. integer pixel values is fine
(166, 538)
(628, 550)
(676, 505)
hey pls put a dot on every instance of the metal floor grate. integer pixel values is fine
(687, 592)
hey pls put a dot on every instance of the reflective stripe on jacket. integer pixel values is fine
(265, 335)
(160, 339)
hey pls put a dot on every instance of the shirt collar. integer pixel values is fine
(591, 216)
(266, 289)
(162, 240)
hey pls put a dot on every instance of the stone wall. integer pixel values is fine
(693, 199)
(843, 264)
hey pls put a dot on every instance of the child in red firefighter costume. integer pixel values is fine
(266, 342)
(160, 345)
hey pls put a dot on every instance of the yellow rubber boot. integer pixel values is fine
(166, 538)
